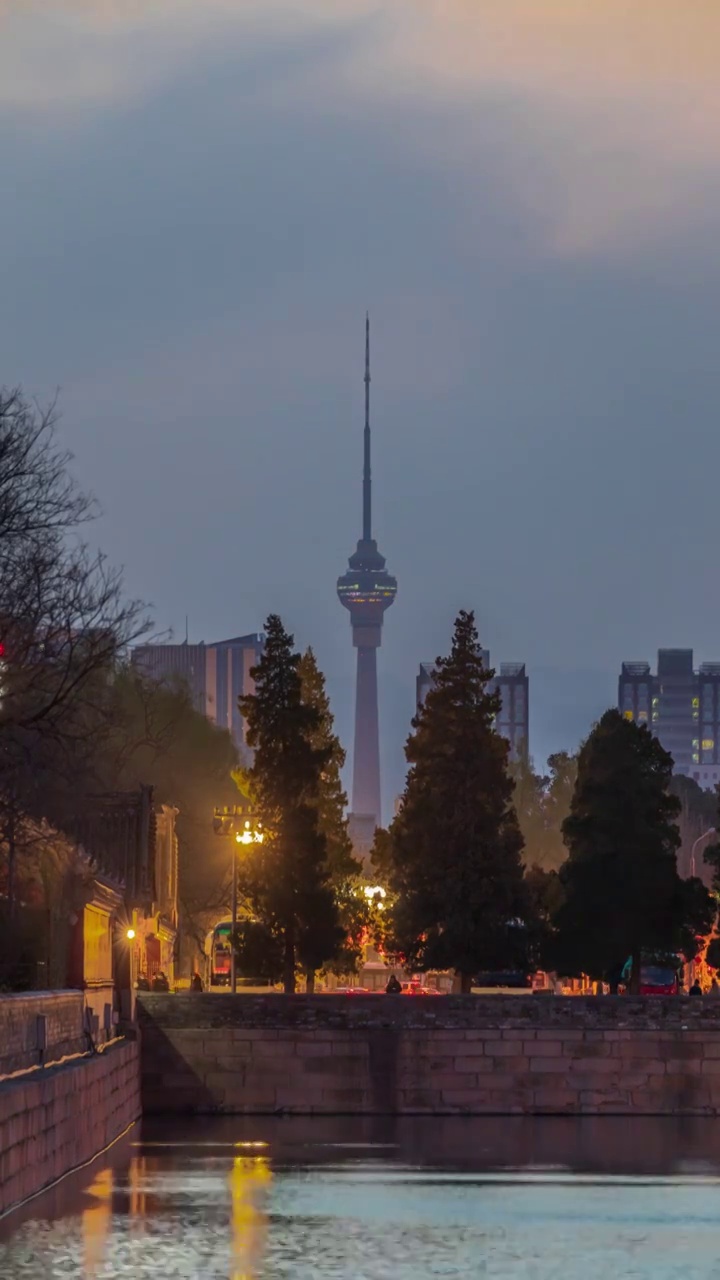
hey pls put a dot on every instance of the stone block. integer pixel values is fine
(543, 1048)
(557, 1066)
(556, 1100)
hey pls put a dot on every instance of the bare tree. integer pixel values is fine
(64, 621)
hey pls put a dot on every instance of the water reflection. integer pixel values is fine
(249, 1178)
(321, 1199)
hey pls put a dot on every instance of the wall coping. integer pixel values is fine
(278, 1012)
(10, 996)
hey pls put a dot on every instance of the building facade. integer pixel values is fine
(682, 707)
(511, 681)
(216, 675)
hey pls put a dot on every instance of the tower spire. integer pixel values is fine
(367, 482)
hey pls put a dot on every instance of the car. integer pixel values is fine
(508, 978)
(417, 989)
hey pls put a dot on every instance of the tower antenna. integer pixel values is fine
(367, 482)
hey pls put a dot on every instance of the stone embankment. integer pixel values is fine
(382, 1055)
(60, 1104)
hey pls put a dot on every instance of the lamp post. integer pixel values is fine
(710, 832)
(236, 823)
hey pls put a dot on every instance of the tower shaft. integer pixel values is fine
(366, 757)
(367, 480)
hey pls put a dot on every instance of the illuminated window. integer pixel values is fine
(696, 702)
(696, 757)
(642, 715)
(696, 742)
(708, 744)
(628, 715)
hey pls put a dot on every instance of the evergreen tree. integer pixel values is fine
(286, 879)
(343, 941)
(623, 895)
(455, 870)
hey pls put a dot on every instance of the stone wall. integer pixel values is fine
(380, 1055)
(53, 1120)
(21, 1033)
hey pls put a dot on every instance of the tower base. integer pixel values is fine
(361, 829)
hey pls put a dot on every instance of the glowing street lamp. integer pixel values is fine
(227, 822)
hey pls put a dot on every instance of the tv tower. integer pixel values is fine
(366, 591)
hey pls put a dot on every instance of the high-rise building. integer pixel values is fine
(366, 591)
(682, 707)
(512, 683)
(216, 675)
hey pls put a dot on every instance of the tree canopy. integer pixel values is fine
(623, 895)
(287, 878)
(453, 850)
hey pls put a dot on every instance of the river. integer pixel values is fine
(527, 1199)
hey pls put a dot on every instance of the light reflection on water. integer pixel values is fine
(206, 1199)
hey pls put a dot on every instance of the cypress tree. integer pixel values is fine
(339, 936)
(454, 848)
(622, 892)
(286, 879)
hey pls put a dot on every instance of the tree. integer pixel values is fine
(156, 734)
(454, 847)
(623, 894)
(287, 878)
(542, 803)
(63, 620)
(346, 946)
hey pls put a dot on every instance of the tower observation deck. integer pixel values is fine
(366, 591)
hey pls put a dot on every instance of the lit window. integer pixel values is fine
(628, 715)
(708, 744)
(642, 715)
(696, 757)
(696, 702)
(696, 742)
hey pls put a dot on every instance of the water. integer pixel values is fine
(537, 1199)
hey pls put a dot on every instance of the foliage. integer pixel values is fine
(287, 878)
(156, 734)
(453, 855)
(258, 952)
(343, 954)
(542, 803)
(623, 894)
(712, 955)
(545, 896)
(63, 625)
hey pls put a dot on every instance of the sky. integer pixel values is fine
(201, 198)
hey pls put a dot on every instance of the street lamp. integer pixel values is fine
(710, 832)
(235, 821)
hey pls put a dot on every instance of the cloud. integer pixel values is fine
(599, 118)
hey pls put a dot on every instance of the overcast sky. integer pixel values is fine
(202, 197)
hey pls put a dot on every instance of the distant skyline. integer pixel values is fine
(202, 200)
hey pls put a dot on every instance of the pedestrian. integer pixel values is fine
(160, 982)
(196, 982)
(393, 987)
(696, 989)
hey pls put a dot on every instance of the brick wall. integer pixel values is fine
(56, 1119)
(63, 1011)
(451, 1055)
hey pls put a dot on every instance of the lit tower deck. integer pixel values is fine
(366, 591)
